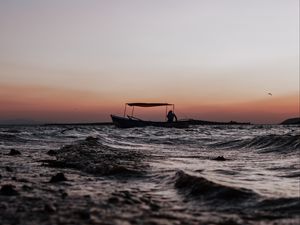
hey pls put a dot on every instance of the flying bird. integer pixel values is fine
(270, 94)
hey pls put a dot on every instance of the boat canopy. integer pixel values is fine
(143, 104)
(140, 104)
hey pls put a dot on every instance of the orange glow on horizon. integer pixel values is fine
(52, 104)
(47, 104)
(270, 109)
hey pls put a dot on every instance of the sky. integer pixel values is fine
(80, 61)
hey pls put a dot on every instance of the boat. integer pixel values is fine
(129, 121)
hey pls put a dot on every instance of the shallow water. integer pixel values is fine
(152, 175)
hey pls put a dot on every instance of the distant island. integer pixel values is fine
(291, 121)
(204, 122)
(190, 122)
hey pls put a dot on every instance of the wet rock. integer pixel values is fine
(83, 214)
(219, 158)
(64, 195)
(146, 200)
(8, 190)
(52, 152)
(8, 169)
(58, 178)
(0, 176)
(128, 202)
(21, 208)
(87, 196)
(14, 178)
(113, 200)
(115, 170)
(23, 180)
(26, 188)
(49, 208)
(14, 152)
(154, 207)
(91, 139)
(3, 206)
(126, 194)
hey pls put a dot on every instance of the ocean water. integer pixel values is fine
(199, 175)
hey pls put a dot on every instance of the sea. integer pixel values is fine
(223, 174)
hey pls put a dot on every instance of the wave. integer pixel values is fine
(229, 199)
(8, 136)
(267, 143)
(12, 131)
(92, 156)
(200, 187)
(289, 206)
(295, 174)
(11, 138)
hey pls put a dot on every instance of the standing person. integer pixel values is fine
(171, 116)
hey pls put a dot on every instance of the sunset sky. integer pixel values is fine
(80, 61)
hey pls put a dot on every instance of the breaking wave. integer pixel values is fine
(10, 138)
(200, 187)
(91, 156)
(224, 198)
(268, 143)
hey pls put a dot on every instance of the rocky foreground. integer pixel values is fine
(87, 182)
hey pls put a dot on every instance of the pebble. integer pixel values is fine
(113, 200)
(8, 169)
(8, 190)
(21, 208)
(3, 206)
(24, 180)
(52, 152)
(154, 206)
(14, 152)
(64, 195)
(26, 188)
(91, 138)
(49, 208)
(83, 214)
(220, 158)
(58, 178)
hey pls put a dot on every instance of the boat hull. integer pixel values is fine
(123, 122)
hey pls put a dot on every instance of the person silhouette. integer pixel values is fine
(171, 116)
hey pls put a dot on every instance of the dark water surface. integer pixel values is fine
(151, 175)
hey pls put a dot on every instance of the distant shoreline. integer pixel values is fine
(191, 122)
(291, 121)
(79, 124)
(59, 124)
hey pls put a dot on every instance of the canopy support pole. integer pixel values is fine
(125, 110)
(132, 111)
(166, 113)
